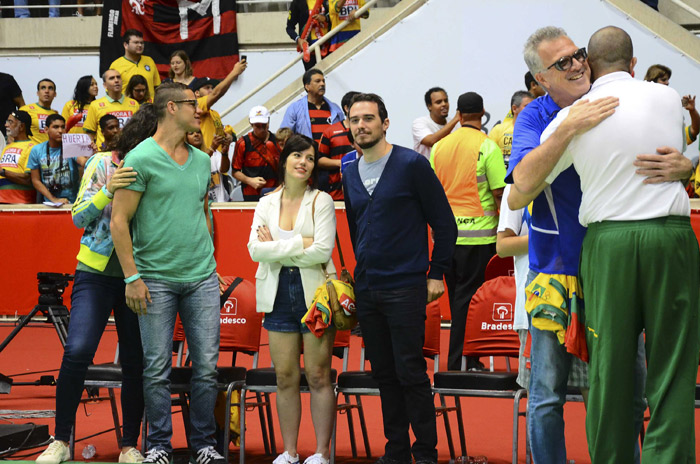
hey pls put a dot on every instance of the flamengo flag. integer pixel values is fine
(205, 29)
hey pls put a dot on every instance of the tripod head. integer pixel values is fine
(51, 287)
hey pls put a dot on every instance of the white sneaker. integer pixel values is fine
(316, 459)
(56, 453)
(285, 458)
(131, 456)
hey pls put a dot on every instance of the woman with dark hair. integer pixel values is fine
(180, 68)
(137, 88)
(97, 291)
(292, 238)
(75, 110)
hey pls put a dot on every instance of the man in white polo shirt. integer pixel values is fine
(640, 263)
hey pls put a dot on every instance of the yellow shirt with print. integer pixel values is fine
(209, 122)
(338, 15)
(14, 159)
(123, 109)
(69, 110)
(312, 36)
(145, 67)
(39, 115)
(502, 134)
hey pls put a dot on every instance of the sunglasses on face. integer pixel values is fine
(564, 63)
(189, 102)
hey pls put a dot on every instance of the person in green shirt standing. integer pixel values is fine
(170, 269)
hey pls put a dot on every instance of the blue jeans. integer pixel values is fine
(93, 299)
(393, 328)
(24, 12)
(290, 305)
(198, 306)
(550, 364)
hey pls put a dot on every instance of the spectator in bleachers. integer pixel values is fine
(339, 11)
(291, 237)
(24, 12)
(10, 97)
(15, 182)
(310, 115)
(209, 91)
(502, 133)
(299, 11)
(662, 75)
(109, 125)
(39, 111)
(138, 90)
(395, 275)
(54, 178)
(85, 93)
(428, 130)
(335, 142)
(113, 103)
(470, 168)
(135, 62)
(533, 86)
(180, 69)
(282, 135)
(98, 291)
(256, 157)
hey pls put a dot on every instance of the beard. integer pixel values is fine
(368, 143)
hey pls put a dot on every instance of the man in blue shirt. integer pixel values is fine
(391, 196)
(556, 235)
(55, 179)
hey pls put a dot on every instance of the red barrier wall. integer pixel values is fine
(42, 239)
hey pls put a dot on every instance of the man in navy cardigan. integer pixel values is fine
(391, 196)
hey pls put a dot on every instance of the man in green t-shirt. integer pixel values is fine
(169, 268)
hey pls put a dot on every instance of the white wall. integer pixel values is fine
(461, 45)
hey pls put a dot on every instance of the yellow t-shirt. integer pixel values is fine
(69, 110)
(39, 115)
(210, 122)
(502, 134)
(123, 109)
(145, 67)
(14, 159)
(337, 15)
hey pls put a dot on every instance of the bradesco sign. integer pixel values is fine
(502, 316)
(229, 312)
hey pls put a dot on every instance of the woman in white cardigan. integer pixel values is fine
(291, 247)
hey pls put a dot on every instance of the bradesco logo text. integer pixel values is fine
(502, 317)
(229, 312)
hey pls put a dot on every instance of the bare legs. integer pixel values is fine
(285, 350)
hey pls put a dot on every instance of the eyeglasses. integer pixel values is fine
(189, 102)
(564, 63)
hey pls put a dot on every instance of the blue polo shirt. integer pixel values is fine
(556, 235)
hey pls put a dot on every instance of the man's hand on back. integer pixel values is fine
(666, 165)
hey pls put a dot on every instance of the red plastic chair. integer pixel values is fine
(489, 332)
(498, 266)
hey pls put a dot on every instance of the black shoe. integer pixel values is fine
(474, 365)
(207, 455)
(158, 456)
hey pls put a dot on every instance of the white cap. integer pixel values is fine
(259, 114)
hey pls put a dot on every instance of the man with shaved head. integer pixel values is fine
(638, 239)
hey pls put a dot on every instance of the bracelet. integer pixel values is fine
(107, 193)
(133, 278)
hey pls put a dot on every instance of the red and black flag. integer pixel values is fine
(204, 29)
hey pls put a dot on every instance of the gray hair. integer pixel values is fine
(517, 98)
(543, 34)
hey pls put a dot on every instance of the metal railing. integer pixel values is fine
(686, 7)
(314, 48)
